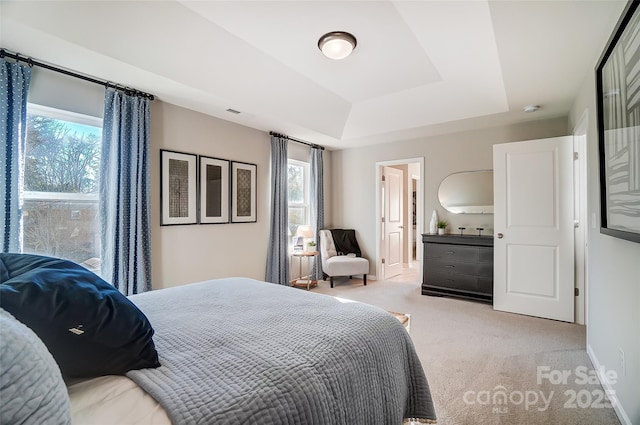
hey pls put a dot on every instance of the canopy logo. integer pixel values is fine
(500, 398)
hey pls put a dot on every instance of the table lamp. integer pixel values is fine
(305, 232)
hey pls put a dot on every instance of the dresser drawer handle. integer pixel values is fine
(450, 252)
(450, 266)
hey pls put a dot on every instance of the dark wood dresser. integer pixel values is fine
(458, 266)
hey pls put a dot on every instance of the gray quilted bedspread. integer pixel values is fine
(239, 351)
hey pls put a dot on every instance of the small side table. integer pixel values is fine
(305, 281)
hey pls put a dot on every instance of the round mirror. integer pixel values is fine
(469, 192)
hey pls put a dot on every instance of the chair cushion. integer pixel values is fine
(341, 265)
(89, 327)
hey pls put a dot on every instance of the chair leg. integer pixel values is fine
(331, 280)
(364, 278)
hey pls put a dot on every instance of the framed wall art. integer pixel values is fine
(178, 190)
(243, 192)
(214, 190)
(618, 107)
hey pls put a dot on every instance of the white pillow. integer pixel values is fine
(33, 391)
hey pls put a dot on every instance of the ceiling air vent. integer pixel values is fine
(233, 111)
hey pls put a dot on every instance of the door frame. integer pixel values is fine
(580, 145)
(419, 209)
(413, 239)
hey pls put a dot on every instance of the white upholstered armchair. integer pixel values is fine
(340, 265)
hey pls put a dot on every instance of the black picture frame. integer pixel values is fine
(618, 120)
(178, 188)
(213, 190)
(244, 179)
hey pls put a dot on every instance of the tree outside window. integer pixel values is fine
(62, 166)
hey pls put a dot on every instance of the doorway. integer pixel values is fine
(411, 203)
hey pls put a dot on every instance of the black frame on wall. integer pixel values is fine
(173, 211)
(220, 198)
(618, 119)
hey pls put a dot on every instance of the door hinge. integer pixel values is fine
(575, 156)
(576, 224)
(383, 219)
(383, 261)
(576, 291)
(383, 178)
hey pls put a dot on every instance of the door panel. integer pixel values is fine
(394, 256)
(531, 270)
(533, 258)
(529, 204)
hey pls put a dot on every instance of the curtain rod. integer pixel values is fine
(32, 62)
(313, 145)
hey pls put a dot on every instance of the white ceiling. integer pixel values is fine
(420, 67)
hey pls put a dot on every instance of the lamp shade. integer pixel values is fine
(304, 231)
(337, 44)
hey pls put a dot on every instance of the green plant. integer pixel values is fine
(442, 224)
(311, 243)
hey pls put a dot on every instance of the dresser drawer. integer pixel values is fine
(485, 285)
(450, 266)
(451, 252)
(459, 267)
(485, 255)
(451, 280)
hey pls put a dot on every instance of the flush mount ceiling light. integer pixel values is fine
(531, 108)
(337, 44)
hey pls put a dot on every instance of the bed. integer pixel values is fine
(241, 351)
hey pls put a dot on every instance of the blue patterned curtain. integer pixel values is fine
(317, 205)
(277, 255)
(14, 85)
(124, 193)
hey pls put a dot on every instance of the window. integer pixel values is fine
(298, 186)
(61, 176)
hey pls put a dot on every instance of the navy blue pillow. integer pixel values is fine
(89, 327)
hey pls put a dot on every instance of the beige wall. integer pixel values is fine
(191, 253)
(185, 254)
(353, 196)
(613, 287)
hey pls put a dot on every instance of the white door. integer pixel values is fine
(393, 181)
(533, 221)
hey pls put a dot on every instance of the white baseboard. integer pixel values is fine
(613, 397)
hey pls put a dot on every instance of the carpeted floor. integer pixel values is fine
(488, 367)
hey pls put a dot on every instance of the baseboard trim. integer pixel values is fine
(617, 407)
